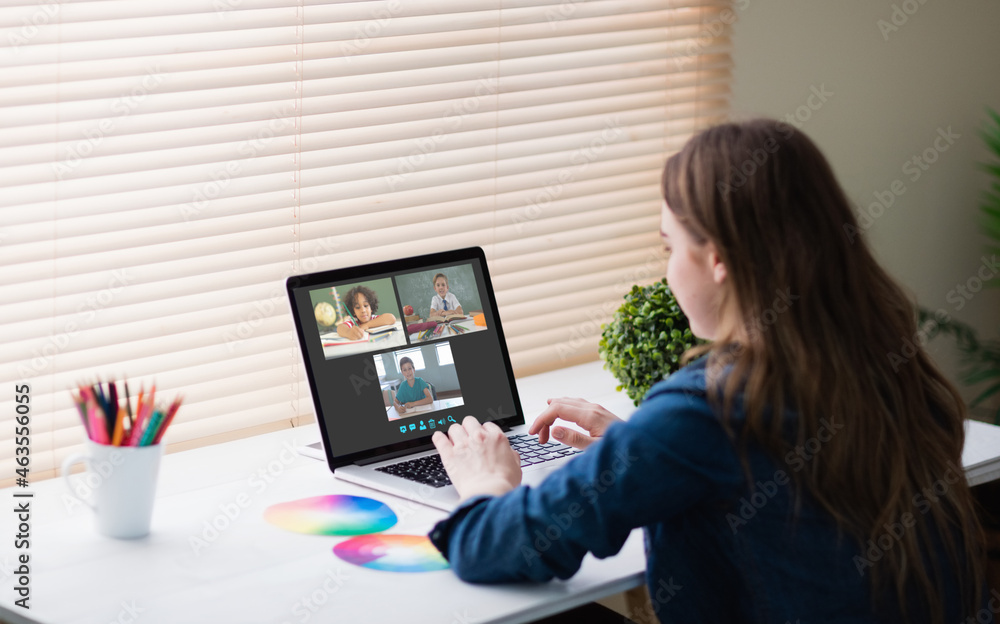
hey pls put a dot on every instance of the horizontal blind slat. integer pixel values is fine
(166, 166)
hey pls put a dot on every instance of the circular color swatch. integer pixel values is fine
(334, 514)
(392, 553)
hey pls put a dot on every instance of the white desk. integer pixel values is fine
(467, 326)
(250, 571)
(376, 341)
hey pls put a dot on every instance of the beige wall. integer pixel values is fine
(891, 93)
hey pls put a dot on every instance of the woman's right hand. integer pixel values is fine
(591, 416)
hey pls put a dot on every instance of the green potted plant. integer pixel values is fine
(645, 339)
(981, 358)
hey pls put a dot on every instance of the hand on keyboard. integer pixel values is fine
(478, 458)
(429, 469)
(591, 416)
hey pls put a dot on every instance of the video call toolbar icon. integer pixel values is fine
(423, 425)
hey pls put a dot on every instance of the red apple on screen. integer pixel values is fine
(408, 310)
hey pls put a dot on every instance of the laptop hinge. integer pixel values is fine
(393, 455)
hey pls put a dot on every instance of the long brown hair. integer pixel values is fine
(842, 347)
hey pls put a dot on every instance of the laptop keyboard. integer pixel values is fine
(430, 471)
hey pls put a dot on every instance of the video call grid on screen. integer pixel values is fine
(386, 309)
(356, 407)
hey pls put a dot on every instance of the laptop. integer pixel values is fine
(397, 350)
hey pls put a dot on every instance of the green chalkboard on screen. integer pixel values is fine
(417, 289)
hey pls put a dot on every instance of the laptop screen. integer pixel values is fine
(397, 350)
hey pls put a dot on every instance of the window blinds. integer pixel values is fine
(164, 166)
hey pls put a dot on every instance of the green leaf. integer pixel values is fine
(646, 337)
(982, 375)
(995, 388)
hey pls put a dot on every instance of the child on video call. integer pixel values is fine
(362, 303)
(444, 304)
(413, 391)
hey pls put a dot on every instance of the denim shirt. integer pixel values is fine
(716, 550)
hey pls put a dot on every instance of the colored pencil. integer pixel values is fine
(167, 419)
(140, 423)
(81, 408)
(95, 425)
(108, 422)
(150, 432)
(128, 405)
(116, 437)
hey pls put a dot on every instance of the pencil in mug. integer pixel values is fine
(167, 419)
(111, 413)
(116, 437)
(144, 412)
(81, 408)
(107, 422)
(151, 428)
(128, 406)
(94, 427)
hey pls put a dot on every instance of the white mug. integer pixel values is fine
(119, 485)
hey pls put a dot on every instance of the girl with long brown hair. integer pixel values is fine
(805, 465)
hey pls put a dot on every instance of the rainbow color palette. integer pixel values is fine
(335, 514)
(392, 553)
